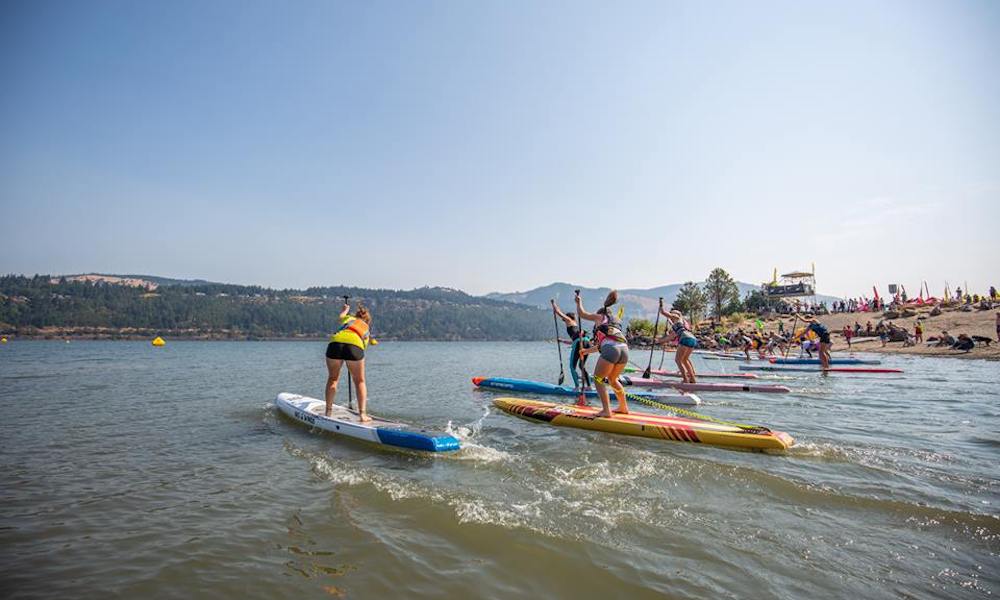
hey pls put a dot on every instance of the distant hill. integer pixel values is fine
(58, 306)
(637, 302)
(132, 280)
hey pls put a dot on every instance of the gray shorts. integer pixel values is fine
(615, 353)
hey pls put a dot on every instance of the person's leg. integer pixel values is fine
(689, 366)
(619, 389)
(583, 371)
(681, 360)
(333, 375)
(824, 355)
(601, 372)
(574, 359)
(357, 370)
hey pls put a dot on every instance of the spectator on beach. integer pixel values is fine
(918, 332)
(848, 334)
(946, 339)
(998, 326)
(964, 342)
(868, 329)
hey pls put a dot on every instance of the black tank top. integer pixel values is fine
(572, 331)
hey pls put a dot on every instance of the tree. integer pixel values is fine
(756, 300)
(691, 301)
(721, 291)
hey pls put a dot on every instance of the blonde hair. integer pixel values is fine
(363, 314)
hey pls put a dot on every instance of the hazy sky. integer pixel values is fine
(502, 145)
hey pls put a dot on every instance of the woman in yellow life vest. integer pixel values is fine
(348, 345)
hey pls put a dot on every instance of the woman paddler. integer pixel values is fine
(580, 341)
(686, 343)
(609, 338)
(348, 344)
(824, 340)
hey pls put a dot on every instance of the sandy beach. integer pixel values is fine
(953, 320)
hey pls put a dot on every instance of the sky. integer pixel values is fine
(502, 145)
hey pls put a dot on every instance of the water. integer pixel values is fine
(131, 471)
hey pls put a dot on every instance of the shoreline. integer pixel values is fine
(952, 319)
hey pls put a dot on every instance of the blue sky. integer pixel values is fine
(502, 145)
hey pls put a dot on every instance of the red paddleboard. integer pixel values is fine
(660, 373)
(706, 387)
(816, 369)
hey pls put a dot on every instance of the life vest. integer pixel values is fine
(358, 326)
(609, 329)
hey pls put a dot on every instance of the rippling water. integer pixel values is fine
(132, 471)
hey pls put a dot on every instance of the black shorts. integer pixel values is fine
(825, 339)
(341, 351)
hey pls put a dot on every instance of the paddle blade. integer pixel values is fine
(647, 372)
(562, 377)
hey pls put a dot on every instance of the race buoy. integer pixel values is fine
(158, 341)
(3, 340)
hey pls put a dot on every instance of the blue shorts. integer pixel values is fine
(689, 342)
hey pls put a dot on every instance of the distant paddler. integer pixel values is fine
(348, 344)
(686, 343)
(581, 379)
(609, 340)
(824, 339)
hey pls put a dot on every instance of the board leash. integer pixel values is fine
(759, 429)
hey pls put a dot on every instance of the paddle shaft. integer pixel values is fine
(789, 344)
(350, 392)
(652, 345)
(555, 321)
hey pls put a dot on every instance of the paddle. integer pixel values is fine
(350, 392)
(581, 400)
(652, 345)
(555, 321)
(792, 336)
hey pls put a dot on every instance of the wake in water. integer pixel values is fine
(472, 450)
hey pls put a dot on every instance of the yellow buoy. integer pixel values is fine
(158, 341)
(3, 340)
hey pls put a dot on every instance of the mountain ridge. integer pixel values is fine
(638, 302)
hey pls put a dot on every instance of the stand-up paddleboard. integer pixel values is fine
(816, 369)
(661, 427)
(705, 387)
(537, 387)
(662, 373)
(345, 422)
(815, 361)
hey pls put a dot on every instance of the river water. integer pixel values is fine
(131, 471)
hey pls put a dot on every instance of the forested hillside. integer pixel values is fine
(36, 306)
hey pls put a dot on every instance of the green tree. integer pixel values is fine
(755, 300)
(722, 292)
(691, 301)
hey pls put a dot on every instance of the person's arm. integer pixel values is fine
(566, 319)
(345, 310)
(584, 314)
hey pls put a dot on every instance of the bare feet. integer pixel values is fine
(364, 418)
(605, 415)
(621, 411)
